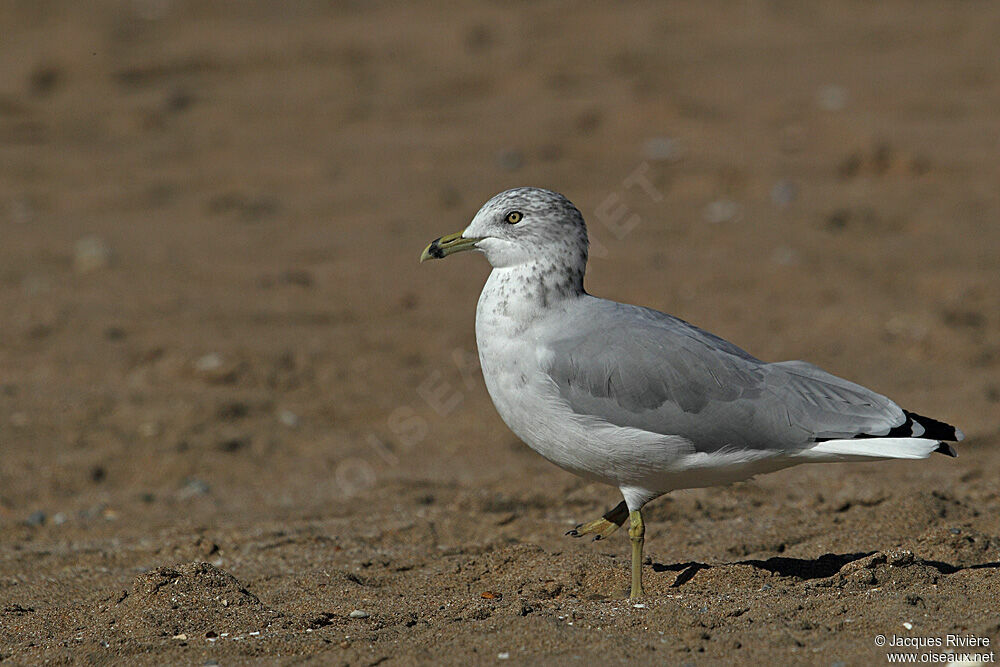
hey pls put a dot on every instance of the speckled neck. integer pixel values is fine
(517, 295)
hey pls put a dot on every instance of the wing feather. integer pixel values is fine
(663, 375)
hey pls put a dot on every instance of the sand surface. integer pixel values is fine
(234, 409)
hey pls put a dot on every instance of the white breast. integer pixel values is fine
(510, 334)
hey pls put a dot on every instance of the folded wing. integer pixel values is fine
(644, 369)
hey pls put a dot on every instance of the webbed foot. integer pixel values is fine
(602, 528)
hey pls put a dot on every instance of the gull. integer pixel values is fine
(642, 400)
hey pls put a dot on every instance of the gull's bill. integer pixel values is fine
(441, 247)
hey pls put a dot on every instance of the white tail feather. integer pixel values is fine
(872, 448)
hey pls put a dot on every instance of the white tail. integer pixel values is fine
(872, 448)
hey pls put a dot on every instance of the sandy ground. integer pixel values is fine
(235, 409)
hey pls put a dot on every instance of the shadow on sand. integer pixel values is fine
(825, 566)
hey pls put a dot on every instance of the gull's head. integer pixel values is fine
(521, 226)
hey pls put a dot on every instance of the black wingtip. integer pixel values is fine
(919, 426)
(946, 449)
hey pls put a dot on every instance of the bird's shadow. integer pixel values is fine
(687, 571)
(823, 567)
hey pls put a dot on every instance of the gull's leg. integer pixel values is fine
(636, 533)
(603, 527)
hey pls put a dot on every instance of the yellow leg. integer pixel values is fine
(605, 526)
(636, 533)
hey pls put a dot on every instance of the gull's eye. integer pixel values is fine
(513, 217)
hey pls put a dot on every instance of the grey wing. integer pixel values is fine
(644, 369)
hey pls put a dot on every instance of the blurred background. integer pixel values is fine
(211, 309)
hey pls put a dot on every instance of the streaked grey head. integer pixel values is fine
(536, 229)
(530, 225)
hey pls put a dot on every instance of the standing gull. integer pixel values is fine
(639, 399)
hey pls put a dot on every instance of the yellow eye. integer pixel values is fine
(514, 217)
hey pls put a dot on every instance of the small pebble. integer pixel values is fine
(503, 656)
(193, 487)
(721, 210)
(639, 605)
(908, 625)
(357, 613)
(288, 418)
(662, 149)
(35, 519)
(209, 362)
(783, 193)
(149, 429)
(831, 97)
(91, 254)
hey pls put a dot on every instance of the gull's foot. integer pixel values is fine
(603, 527)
